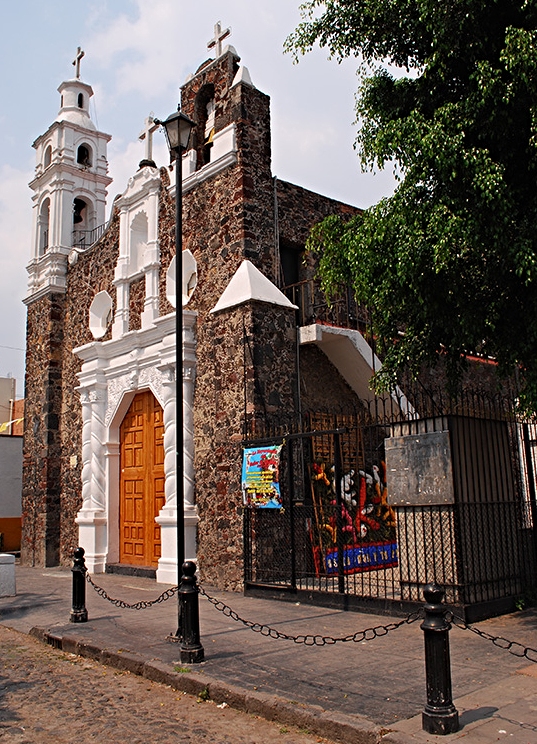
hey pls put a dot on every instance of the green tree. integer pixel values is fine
(451, 257)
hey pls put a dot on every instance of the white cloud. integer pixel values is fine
(141, 55)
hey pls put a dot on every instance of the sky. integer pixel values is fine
(137, 55)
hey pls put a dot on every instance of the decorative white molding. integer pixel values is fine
(141, 185)
(139, 249)
(47, 274)
(170, 450)
(112, 372)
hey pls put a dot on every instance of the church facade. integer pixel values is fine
(100, 437)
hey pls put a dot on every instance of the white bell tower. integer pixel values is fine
(71, 177)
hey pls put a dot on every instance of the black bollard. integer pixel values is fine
(191, 650)
(440, 715)
(79, 614)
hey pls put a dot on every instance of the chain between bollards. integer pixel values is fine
(188, 635)
(440, 715)
(79, 613)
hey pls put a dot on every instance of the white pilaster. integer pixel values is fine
(167, 519)
(91, 519)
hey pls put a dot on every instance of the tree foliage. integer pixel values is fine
(451, 256)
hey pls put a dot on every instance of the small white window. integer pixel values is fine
(100, 314)
(190, 279)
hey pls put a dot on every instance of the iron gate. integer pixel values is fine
(336, 502)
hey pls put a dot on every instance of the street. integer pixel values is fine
(47, 695)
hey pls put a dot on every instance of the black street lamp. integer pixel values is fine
(178, 129)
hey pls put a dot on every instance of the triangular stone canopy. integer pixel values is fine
(242, 76)
(247, 284)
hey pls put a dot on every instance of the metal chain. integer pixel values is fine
(142, 605)
(515, 648)
(311, 640)
(368, 634)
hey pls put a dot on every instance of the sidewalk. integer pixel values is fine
(371, 691)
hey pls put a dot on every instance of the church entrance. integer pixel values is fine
(141, 481)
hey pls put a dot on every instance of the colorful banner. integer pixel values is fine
(261, 477)
(357, 558)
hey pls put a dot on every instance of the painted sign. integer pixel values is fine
(261, 477)
(357, 558)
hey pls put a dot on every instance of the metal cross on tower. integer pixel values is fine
(76, 62)
(218, 38)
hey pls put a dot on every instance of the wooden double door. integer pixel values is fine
(141, 481)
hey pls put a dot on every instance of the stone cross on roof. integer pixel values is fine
(147, 135)
(218, 38)
(76, 62)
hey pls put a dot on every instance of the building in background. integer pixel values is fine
(11, 429)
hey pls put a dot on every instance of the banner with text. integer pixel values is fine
(367, 557)
(261, 477)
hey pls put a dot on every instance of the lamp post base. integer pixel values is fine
(440, 723)
(192, 655)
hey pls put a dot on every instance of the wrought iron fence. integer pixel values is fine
(85, 238)
(343, 311)
(342, 531)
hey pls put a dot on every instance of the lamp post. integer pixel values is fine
(178, 129)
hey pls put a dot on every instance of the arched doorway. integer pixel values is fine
(141, 481)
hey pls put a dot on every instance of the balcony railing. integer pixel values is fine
(343, 311)
(84, 238)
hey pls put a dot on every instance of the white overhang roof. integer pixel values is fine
(249, 284)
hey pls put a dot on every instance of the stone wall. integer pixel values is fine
(218, 426)
(246, 375)
(213, 79)
(40, 543)
(298, 211)
(166, 219)
(322, 388)
(136, 303)
(230, 216)
(226, 219)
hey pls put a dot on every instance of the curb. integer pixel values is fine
(346, 729)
